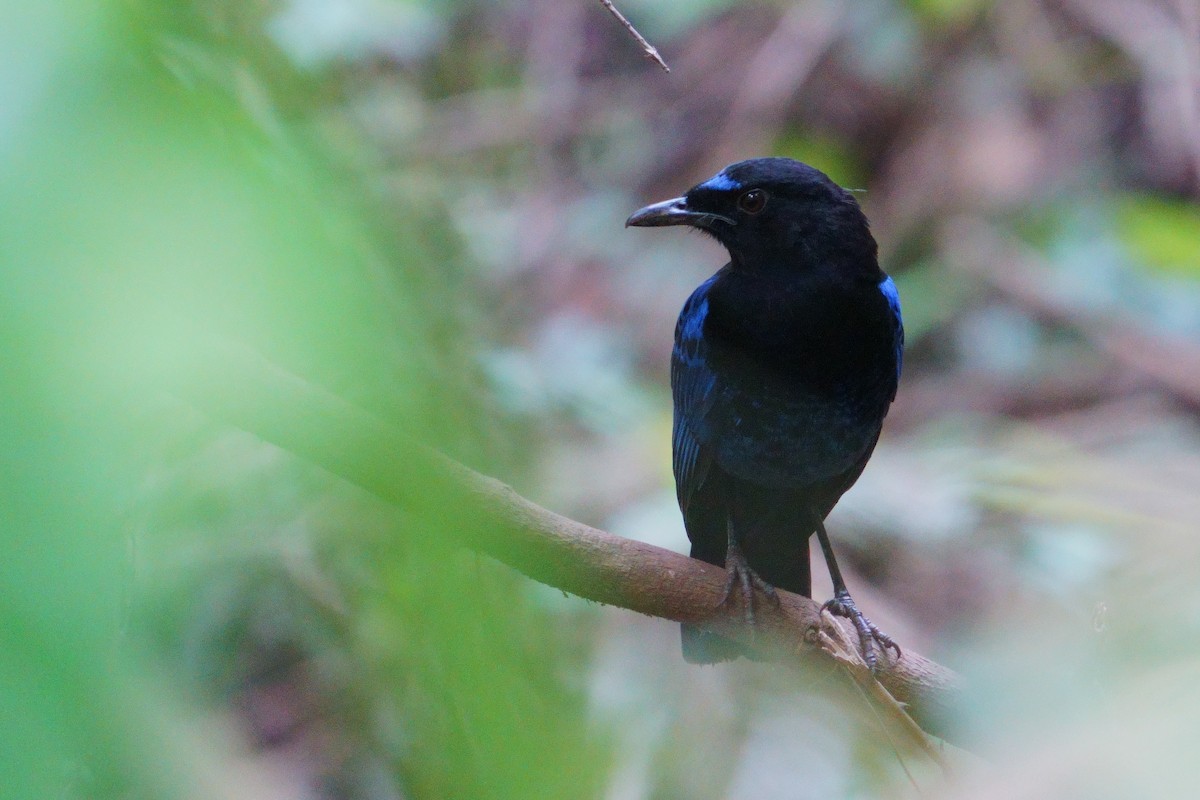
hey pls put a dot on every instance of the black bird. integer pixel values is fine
(785, 363)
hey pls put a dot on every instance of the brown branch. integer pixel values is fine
(243, 389)
(650, 50)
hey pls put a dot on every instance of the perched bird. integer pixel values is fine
(785, 363)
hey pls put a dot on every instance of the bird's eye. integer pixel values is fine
(753, 201)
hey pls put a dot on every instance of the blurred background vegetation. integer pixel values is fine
(418, 205)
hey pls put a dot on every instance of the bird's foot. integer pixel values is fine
(741, 576)
(842, 605)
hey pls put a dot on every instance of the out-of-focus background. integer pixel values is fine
(419, 206)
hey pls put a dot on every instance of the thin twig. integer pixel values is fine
(883, 727)
(649, 49)
(833, 641)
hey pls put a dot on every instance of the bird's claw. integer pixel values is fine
(741, 576)
(842, 605)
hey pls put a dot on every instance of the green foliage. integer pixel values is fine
(835, 158)
(147, 211)
(1161, 233)
(947, 13)
(929, 299)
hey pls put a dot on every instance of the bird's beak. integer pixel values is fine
(672, 212)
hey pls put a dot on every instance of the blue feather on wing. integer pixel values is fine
(888, 287)
(692, 385)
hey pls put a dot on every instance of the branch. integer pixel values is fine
(650, 50)
(241, 388)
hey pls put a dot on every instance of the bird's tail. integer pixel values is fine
(784, 564)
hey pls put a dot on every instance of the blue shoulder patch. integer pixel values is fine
(888, 287)
(720, 182)
(692, 384)
(692, 321)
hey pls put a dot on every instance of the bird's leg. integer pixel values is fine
(842, 605)
(742, 576)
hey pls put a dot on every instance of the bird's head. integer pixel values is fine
(772, 213)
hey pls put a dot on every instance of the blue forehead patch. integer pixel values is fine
(720, 182)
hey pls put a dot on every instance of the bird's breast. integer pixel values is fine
(791, 438)
(801, 386)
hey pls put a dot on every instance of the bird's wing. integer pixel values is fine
(693, 385)
(888, 287)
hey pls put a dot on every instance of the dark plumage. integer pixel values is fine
(785, 364)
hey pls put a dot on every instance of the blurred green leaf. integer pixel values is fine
(942, 13)
(1161, 233)
(928, 298)
(146, 211)
(827, 153)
